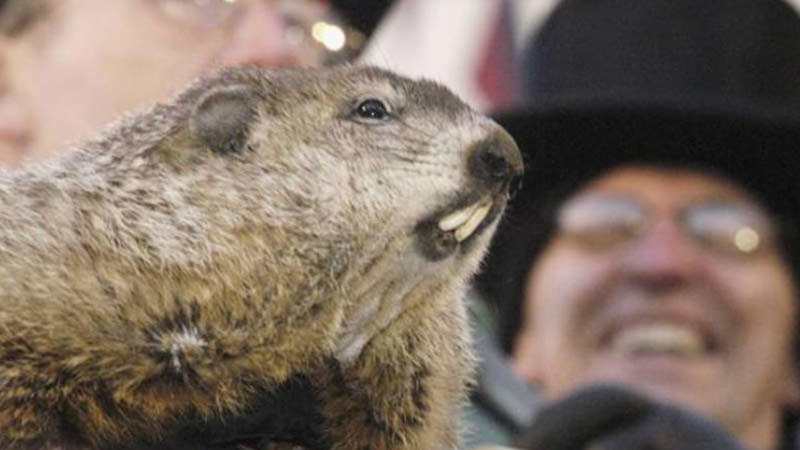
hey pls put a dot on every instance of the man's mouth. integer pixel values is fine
(659, 338)
(662, 337)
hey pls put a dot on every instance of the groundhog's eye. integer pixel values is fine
(372, 109)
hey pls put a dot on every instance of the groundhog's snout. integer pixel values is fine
(496, 161)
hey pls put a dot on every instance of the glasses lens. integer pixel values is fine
(601, 221)
(309, 26)
(729, 228)
(312, 26)
(200, 13)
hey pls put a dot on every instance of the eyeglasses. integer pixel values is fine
(603, 222)
(305, 22)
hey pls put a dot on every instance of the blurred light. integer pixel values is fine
(331, 36)
(746, 240)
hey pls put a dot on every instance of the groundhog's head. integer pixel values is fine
(397, 181)
(391, 185)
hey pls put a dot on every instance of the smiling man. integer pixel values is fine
(668, 281)
(653, 247)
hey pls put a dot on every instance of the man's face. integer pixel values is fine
(88, 61)
(678, 299)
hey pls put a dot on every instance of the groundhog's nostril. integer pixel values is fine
(496, 160)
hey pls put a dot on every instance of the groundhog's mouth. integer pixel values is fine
(462, 223)
(445, 232)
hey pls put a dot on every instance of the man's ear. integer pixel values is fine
(526, 351)
(525, 357)
(221, 119)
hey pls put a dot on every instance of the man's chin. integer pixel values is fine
(692, 381)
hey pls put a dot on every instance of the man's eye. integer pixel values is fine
(372, 109)
(601, 222)
(729, 228)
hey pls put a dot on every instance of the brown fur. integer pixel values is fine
(174, 264)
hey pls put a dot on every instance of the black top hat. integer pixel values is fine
(713, 84)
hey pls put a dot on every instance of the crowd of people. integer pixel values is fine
(643, 283)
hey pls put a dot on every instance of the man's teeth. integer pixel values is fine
(465, 221)
(658, 338)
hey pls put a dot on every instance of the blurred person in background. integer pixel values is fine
(67, 67)
(471, 46)
(474, 47)
(647, 273)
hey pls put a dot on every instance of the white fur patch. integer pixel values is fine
(187, 340)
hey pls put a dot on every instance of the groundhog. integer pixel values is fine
(258, 229)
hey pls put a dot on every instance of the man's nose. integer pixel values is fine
(661, 257)
(260, 37)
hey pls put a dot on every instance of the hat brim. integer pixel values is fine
(559, 141)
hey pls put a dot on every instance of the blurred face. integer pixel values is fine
(670, 282)
(87, 61)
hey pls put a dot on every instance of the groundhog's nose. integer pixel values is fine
(496, 160)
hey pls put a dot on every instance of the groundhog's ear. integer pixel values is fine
(222, 117)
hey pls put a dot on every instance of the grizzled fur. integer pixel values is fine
(248, 231)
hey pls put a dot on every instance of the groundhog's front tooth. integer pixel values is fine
(457, 218)
(473, 222)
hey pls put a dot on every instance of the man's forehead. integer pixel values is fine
(668, 186)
